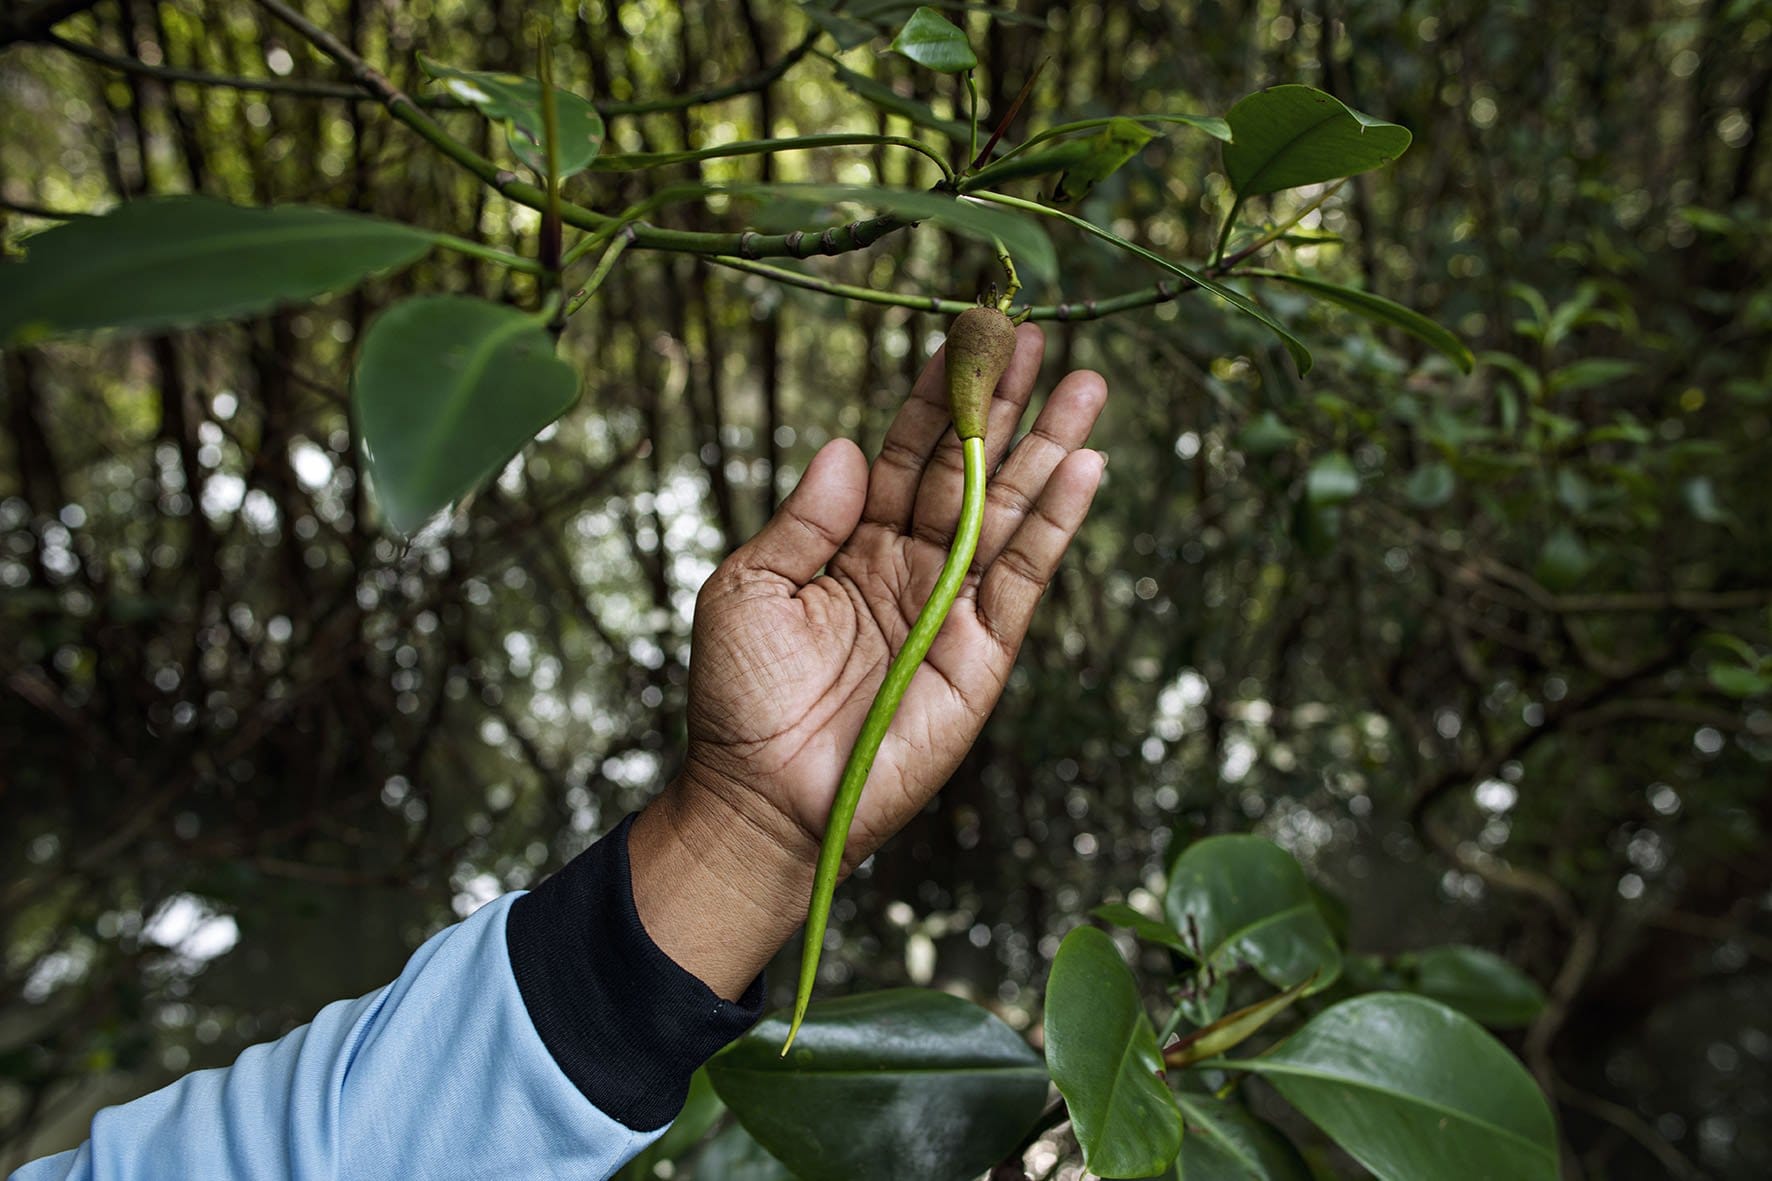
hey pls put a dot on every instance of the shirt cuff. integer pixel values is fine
(622, 1019)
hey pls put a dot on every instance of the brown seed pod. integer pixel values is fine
(980, 344)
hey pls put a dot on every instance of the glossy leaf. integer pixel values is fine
(1478, 983)
(701, 1110)
(734, 1156)
(1204, 1000)
(1146, 928)
(902, 1083)
(1103, 1055)
(1737, 681)
(1104, 154)
(448, 388)
(1224, 1142)
(1332, 480)
(1026, 240)
(1233, 1029)
(1287, 136)
(1253, 905)
(515, 101)
(1381, 311)
(934, 42)
(1411, 1088)
(167, 262)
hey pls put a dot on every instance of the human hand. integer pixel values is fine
(786, 660)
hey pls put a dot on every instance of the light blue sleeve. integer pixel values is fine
(441, 1074)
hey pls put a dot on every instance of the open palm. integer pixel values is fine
(787, 659)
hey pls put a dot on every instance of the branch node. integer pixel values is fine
(827, 241)
(1064, 311)
(792, 242)
(747, 245)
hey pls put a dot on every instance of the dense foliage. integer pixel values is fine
(1488, 654)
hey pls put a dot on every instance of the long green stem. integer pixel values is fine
(972, 90)
(503, 258)
(1224, 234)
(604, 266)
(1087, 309)
(636, 161)
(879, 720)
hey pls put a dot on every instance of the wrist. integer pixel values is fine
(720, 881)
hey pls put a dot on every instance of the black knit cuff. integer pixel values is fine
(624, 1022)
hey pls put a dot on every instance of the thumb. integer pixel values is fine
(816, 518)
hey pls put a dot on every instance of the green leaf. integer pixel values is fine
(1287, 136)
(1589, 374)
(166, 262)
(1203, 1001)
(700, 1111)
(734, 1156)
(934, 42)
(1411, 1088)
(1737, 681)
(1143, 926)
(1226, 1143)
(1332, 480)
(1430, 485)
(1265, 435)
(887, 99)
(1253, 905)
(515, 101)
(1563, 559)
(1233, 1029)
(885, 1085)
(448, 388)
(1381, 311)
(1025, 240)
(1478, 983)
(1104, 154)
(1103, 1055)
(1732, 643)
(1523, 374)
(1024, 161)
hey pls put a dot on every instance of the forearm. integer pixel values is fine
(719, 887)
(547, 1035)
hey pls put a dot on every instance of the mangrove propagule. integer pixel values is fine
(979, 346)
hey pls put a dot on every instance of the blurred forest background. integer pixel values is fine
(1515, 691)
